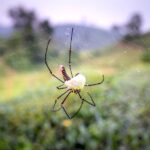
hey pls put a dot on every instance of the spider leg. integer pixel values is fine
(70, 117)
(47, 63)
(77, 110)
(90, 103)
(53, 108)
(60, 87)
(96, 83)
(63, 104)
(70, 53)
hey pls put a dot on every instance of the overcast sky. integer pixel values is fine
(101, 13)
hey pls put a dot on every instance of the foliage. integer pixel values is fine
(143, 41)
(131, 29)
(134, 25)
(3, 47)
(46, 28)
(146, 56)
(22, 63)
(120, 119)
(27, 27)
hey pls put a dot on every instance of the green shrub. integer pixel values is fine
(146, 56)
(18, 61)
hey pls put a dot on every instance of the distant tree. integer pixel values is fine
(24, 22)
(133, 27)
(27, 24)
(46, 27)
(22, 18)
(116, 28)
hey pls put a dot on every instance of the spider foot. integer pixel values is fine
(74, 114)
(54, 110)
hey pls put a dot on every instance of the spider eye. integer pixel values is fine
(76, 74)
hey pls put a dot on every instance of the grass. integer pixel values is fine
(16, 85)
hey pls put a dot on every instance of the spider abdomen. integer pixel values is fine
(76, 83)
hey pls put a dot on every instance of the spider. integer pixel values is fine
(73, 84)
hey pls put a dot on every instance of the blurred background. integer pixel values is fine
(111, 38)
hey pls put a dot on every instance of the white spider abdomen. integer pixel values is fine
(76, 83)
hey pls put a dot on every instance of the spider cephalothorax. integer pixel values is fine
(73, 84)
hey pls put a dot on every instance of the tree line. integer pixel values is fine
(24, 42)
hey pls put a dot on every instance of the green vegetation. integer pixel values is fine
(22, 50)
(146, 56)
(143, 41)
(119, 121)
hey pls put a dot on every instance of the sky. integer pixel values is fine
(100, 13)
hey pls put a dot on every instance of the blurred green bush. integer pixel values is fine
(146, 56)
(120, 120)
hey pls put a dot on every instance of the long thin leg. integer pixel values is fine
(47, 63)
(64, 107)
(57, 100)
(77, 110)
(70, 53)
(96, 83)
(60, 87)
(90, 103)
(70, 117)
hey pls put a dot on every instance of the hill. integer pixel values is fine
(85, 37)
